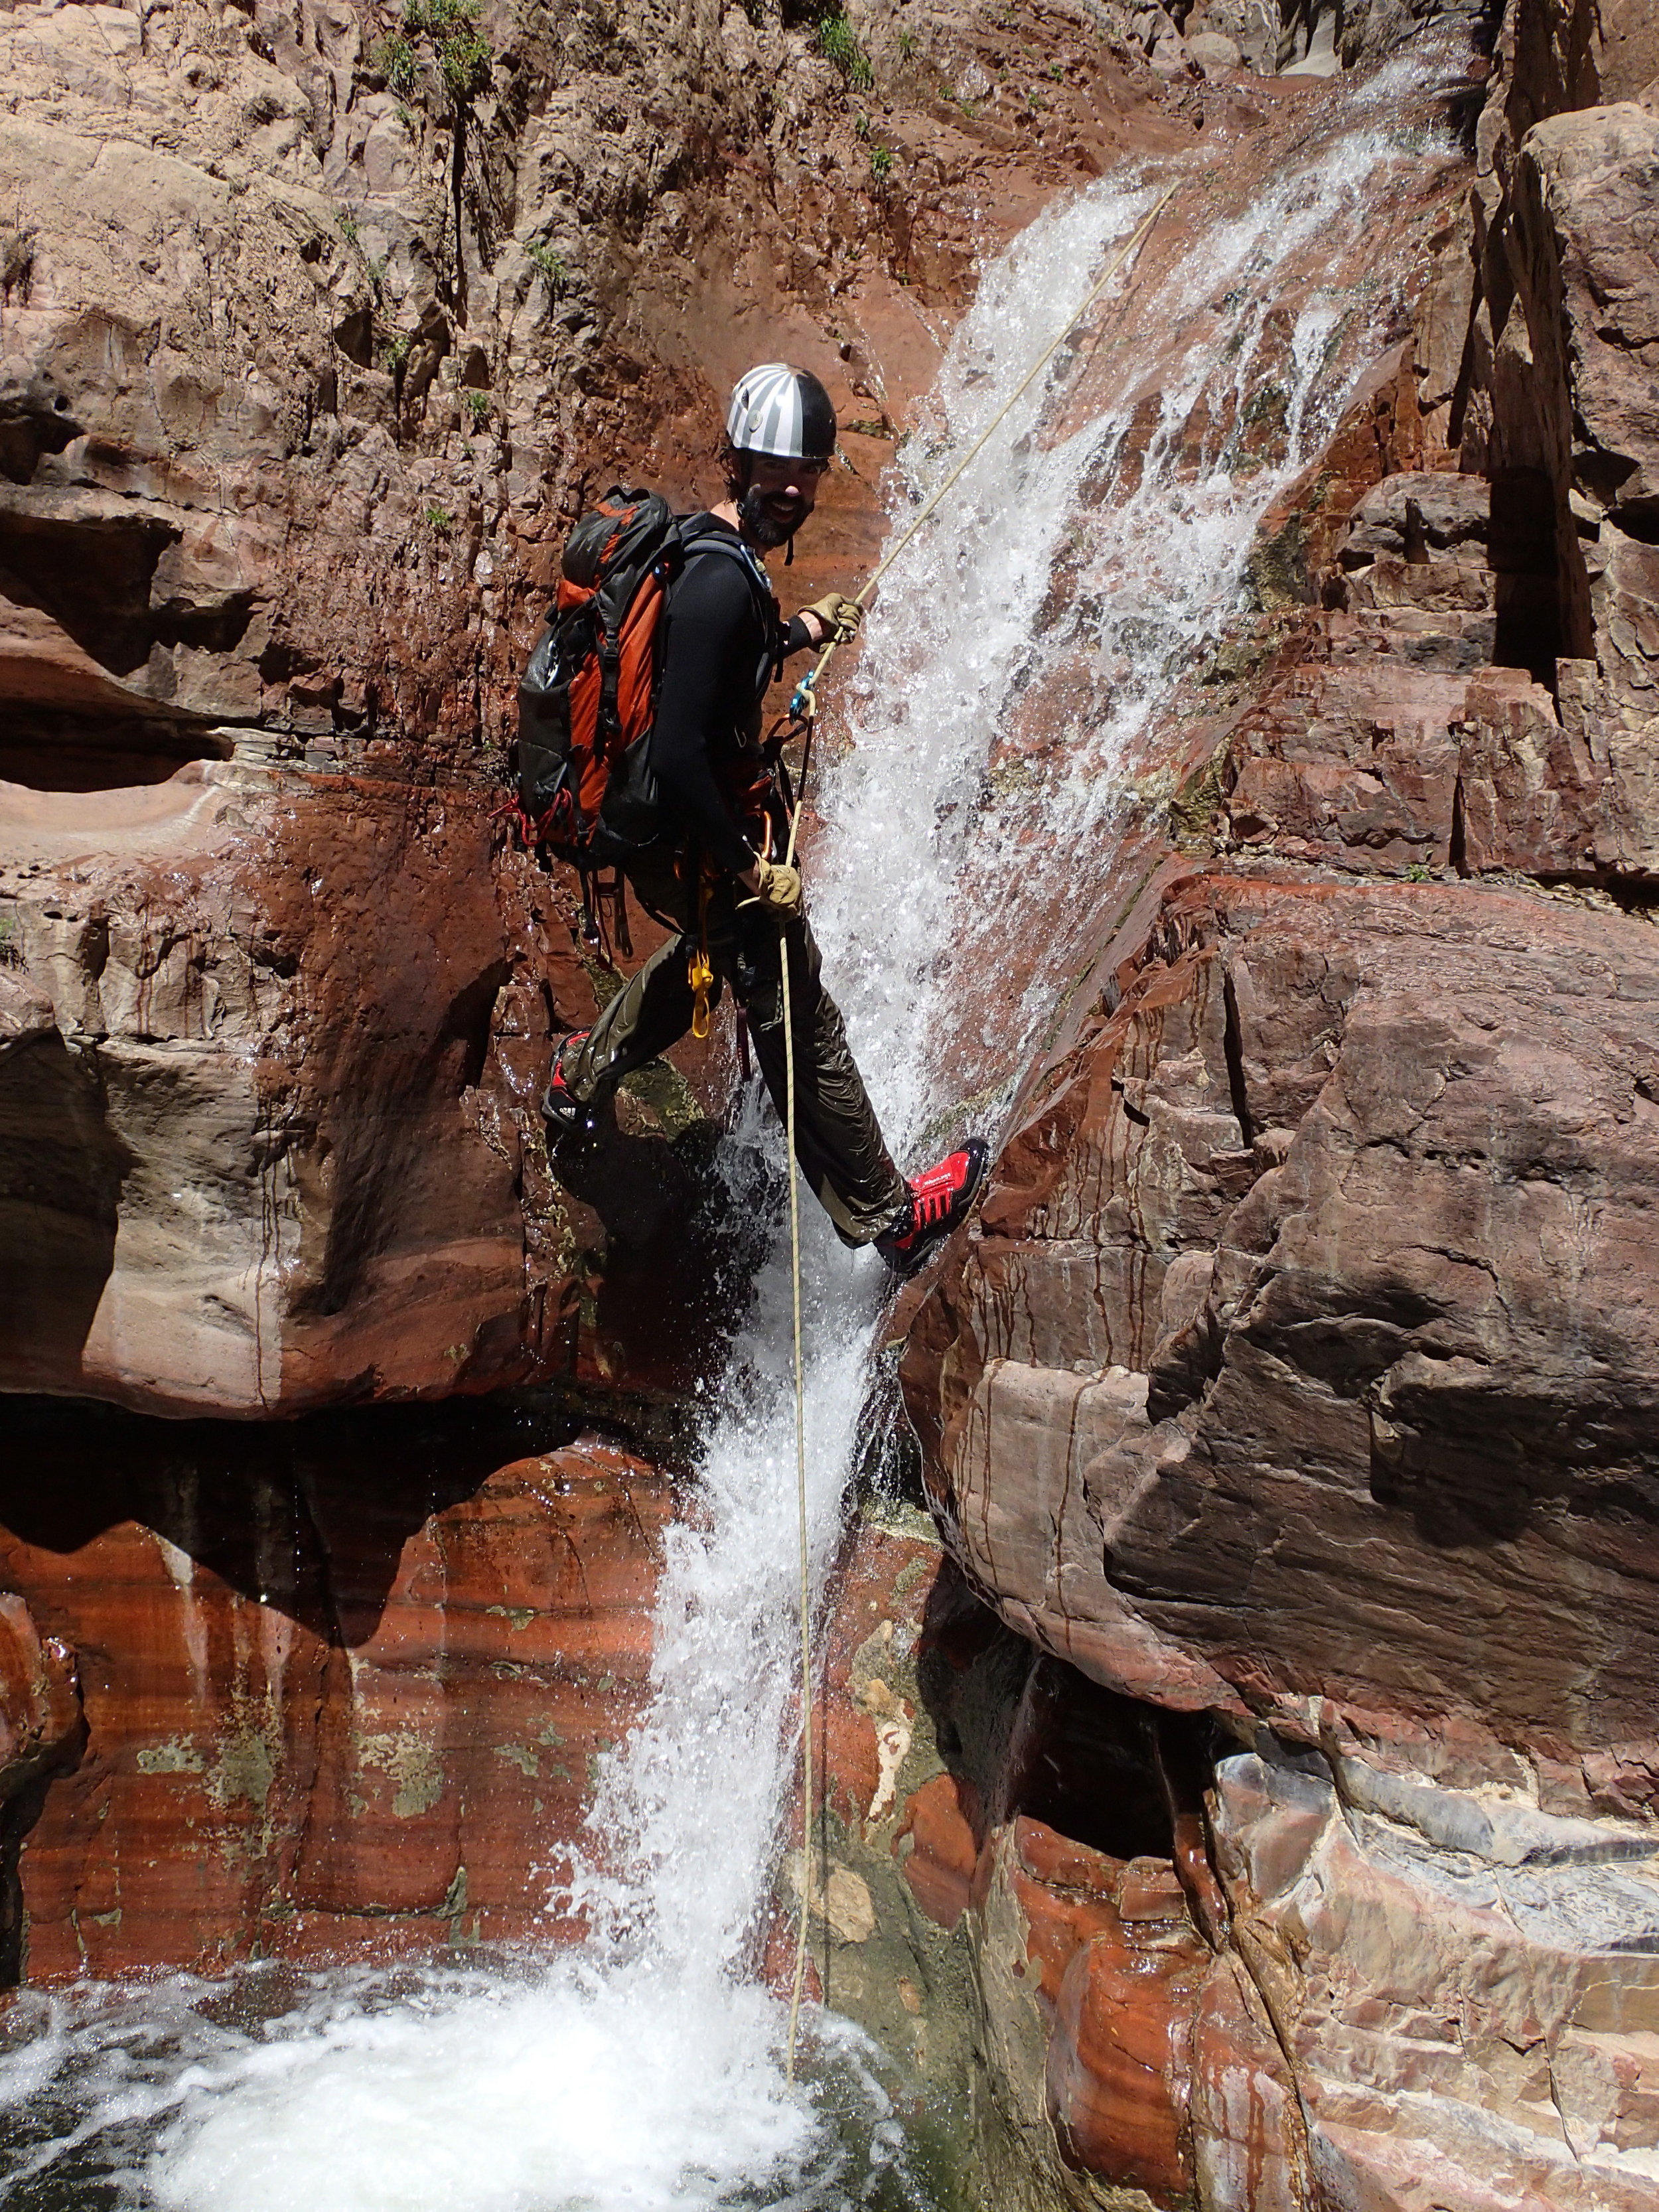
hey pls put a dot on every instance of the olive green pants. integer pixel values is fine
(838, 1140)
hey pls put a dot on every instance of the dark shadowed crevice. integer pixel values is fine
(467, 1020)
(1640, 895)
(1234, 1044)
(1456, 849)
(1526, 584)
(61, 1169)
(93, 574)
(50, 749)
(34, 419)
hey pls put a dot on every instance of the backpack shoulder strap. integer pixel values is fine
(695, 540)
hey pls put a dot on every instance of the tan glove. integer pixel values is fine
(778, 887)
(839, 616)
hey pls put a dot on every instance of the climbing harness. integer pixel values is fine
(803, 709)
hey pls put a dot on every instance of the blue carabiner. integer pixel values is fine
(802, 701)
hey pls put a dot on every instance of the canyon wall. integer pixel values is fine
(317, 331)
(1256, 1805)
(1295, 1386)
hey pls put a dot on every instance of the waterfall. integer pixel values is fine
(1017, 650)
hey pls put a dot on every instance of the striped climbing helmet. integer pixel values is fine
(781, 412)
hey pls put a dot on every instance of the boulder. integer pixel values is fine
(1360, 1181)
(1213, 50)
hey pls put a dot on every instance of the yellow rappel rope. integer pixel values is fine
(800, 1485)
(804, 705)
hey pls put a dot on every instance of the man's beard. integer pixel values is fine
(763, 529)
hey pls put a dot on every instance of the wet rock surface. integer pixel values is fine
(316, 333)
(1259, 1808)
(1295, 1376)
(1134, 1955)
(1363, 1214)
(307, 1692)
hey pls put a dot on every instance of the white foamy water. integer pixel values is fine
(646, 2070)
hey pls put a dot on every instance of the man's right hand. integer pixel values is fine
(835, 616)
(775, 885)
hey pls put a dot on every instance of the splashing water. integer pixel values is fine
(1021, 647)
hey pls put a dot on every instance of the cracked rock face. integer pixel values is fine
(1358, 1201)
(1299, 1373)
(315, 335)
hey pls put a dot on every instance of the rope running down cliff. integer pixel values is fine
(802, 706)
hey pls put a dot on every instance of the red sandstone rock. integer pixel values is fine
(331, 1705)
(1121, 2063)
(944, 1853)
(1317, 1094)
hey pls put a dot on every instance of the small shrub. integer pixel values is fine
(906, 46)
(439, 520)
(477, 404)
(396, 350)
(881, 163)
(553, 268)
(464, 54)
(349, 232)
(1057, 70)
(440, 19)
(465, 59)
(837, 43)
(398, 64)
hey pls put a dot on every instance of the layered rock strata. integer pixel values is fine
(1126, 1954)
(332, 1690)
(269, 1136)
(316, 329)
(1298, 1377)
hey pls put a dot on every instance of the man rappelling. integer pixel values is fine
(640, 748)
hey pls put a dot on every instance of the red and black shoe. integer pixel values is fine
(565, 1115)
(940, 1201)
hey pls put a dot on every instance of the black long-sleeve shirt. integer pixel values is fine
(723, 645)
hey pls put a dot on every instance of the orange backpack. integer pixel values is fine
(588, 698)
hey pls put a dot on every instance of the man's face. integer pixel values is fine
(780, 495)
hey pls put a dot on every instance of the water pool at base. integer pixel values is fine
(497, 2084)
